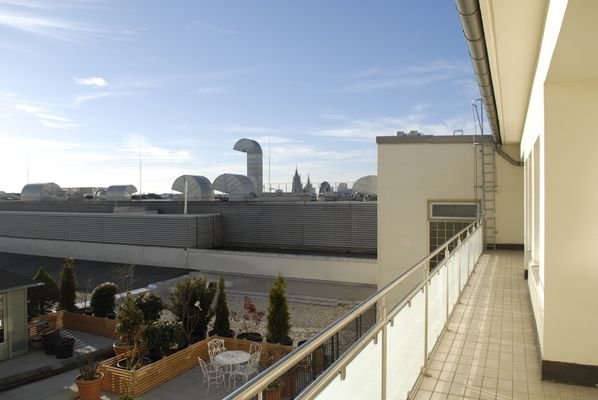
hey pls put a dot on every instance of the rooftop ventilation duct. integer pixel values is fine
(120, 192)
(238, 187)
(198, 187)
(366, 185)
(42, 191)
(254, 161)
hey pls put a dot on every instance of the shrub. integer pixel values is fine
(129, 319)
(68, 285)
(251, 320)
(102, 299)
(150, 305)
(165, 335)
(41, 297)
(222, 321)
(191, 302)
(278, 313)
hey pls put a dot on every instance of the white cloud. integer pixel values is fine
(136, 145)
(49, 27)
(46, 118)
(237, 128)
(369, 128)
(209, 90)
(57, 125)
(414, 75)
(93, 81)
(211, 28)
(28, 108)
(88, 97)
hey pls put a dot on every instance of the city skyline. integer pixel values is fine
(91, 88)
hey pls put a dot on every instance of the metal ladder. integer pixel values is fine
(488, 186)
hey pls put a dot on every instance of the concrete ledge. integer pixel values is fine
(23, 378)
(575, 374)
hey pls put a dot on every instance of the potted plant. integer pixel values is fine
(164, 338)
(102, 300)
(191, 302)
(89, 380)
(250, 321)
(222, 320)
(41, 297)
(278, 314)
(68, 285)
(150, 305)
(129, 320)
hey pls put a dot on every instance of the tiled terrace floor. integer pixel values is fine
(490, 350)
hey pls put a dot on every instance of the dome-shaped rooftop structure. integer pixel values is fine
(366, 185)
(238, 187)
(41, 191)
(198, 187)
(120, 192)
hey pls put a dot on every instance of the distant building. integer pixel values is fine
(309, 189)
(297, 185)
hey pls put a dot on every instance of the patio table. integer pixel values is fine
(231, 359)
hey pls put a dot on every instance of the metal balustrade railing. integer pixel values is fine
(378, 349)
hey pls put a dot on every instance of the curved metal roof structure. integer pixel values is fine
(325, 187)
(198, 187)
(238, 187)
(254, 161)
(366, 184)
(41, 191)
(120, 192)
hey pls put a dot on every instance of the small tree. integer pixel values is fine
(129, 319)
(42, 296)
(150, 305)
(68, 285)
(191, 302)
(222, 321)
(102, 299)
(278, 313)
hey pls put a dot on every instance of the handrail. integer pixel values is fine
(259, 383)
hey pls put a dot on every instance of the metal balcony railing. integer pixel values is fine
(378, 349)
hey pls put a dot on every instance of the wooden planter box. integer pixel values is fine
(136, 383)
(77, 322)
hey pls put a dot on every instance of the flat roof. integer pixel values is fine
(406, 139)
(10, 281)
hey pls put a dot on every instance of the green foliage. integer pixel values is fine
(222, 322)
(150, 305)
(165, 335)
(278, 312)
(129, 319)
(88, 367)
(191, 302)
(102, 299)
(42, 297)
(68, 285)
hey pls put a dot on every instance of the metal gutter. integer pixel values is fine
(473, 30)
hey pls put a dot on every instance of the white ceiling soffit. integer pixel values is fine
(513, 31)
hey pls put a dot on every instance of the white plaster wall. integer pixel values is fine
(509, 199)
(337, 269)
(571, 229)
(408, 176)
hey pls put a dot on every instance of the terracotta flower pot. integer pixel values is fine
(90, 389)
(122, 347)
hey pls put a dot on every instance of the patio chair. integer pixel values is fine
(215, 347)
(255, 348)
(246, 370)
(211, 375)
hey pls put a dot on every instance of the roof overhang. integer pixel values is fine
(513, 31)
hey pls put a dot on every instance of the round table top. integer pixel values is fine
(232, 357)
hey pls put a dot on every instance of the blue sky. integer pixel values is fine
(86, 86)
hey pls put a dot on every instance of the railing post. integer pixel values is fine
(384, 347)
(460, 250)
(447, 256)
(426, 292)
